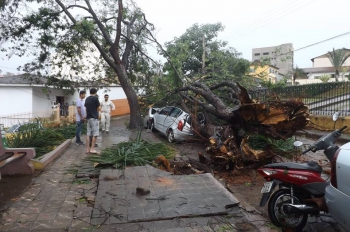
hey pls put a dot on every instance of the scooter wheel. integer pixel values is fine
(278, 214)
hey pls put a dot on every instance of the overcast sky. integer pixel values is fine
(251, 24)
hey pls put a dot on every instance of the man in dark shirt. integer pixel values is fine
(92, 105)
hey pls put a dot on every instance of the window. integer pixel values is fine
(175, 112)
(257, 54)
(251, 70)
(265, 53)
(166, 111)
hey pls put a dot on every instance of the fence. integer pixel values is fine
(13, 119)
(322, 98)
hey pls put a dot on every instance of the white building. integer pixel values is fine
(321, 65)
(21, 100)
(280, 56)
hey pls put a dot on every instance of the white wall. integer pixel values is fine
(114, 92)
(14, 100)
(325, 62)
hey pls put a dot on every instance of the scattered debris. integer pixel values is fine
(142, 191)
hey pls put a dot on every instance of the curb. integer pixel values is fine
(44, 160)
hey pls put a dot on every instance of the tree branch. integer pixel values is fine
(99, 24)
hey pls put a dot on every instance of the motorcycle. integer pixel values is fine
(301, 187)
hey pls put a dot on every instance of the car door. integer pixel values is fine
(160, 118)
(171, 120)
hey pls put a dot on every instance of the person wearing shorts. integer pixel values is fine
(92, 105)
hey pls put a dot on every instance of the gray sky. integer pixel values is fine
(250, 24)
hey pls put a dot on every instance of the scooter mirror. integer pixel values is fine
(298, 143)
(336, 116)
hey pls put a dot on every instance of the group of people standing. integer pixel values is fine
(90, 111)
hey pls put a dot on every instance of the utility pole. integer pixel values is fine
(203, 55)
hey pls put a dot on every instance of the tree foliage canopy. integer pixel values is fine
(100, 39)
(198, 56)
(338, 58)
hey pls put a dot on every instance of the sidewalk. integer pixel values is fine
(60, 199)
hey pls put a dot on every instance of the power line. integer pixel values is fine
(334, 37)
(8, 67)
(260, 20)
(237, 37)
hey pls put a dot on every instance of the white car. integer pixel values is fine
(173, 122)
(149, 117)
(338, 191)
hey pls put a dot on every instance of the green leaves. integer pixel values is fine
(280, 147)
(136, 152)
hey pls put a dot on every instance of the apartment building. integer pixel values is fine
(280, 56)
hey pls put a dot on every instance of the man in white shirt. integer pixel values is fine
(80, 116)
(106, 107)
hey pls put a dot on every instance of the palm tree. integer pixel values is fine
(338, 58)
(297, 72)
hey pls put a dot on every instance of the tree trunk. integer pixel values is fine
(136, 121)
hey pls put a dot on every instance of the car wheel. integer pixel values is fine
(170, 136)
(152, 126)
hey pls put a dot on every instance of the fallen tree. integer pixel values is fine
(240, 119)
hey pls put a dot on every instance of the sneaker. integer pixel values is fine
(80, 144)
(107, 132)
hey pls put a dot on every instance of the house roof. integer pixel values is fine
(324, 55)
(31, 80)
(22, 80)
(323, 69)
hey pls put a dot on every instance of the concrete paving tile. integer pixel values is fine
(67, 208)
(81, 222)
(135, 209)
(135, 216)
(31, 210)
(14, 211)
(41, 225)
(38, 202)
(83, 211)
(117, 219)
(27, 217)
(99, 220)
(172, 213)
(21, 226)
(21, 204)
(98, 213)
(54, 204)
(64, 215)
(189, 191)
(5, 226)
(61, 223)
(9, 217)
(46, 216)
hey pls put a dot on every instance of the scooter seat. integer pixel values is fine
(311, 166)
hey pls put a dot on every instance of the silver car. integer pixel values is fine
(173, 122)
(338, 192)
(149, 117)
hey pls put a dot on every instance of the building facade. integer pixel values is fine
(280, 56)
(263, 72)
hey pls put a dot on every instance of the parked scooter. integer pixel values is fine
(301, 188)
